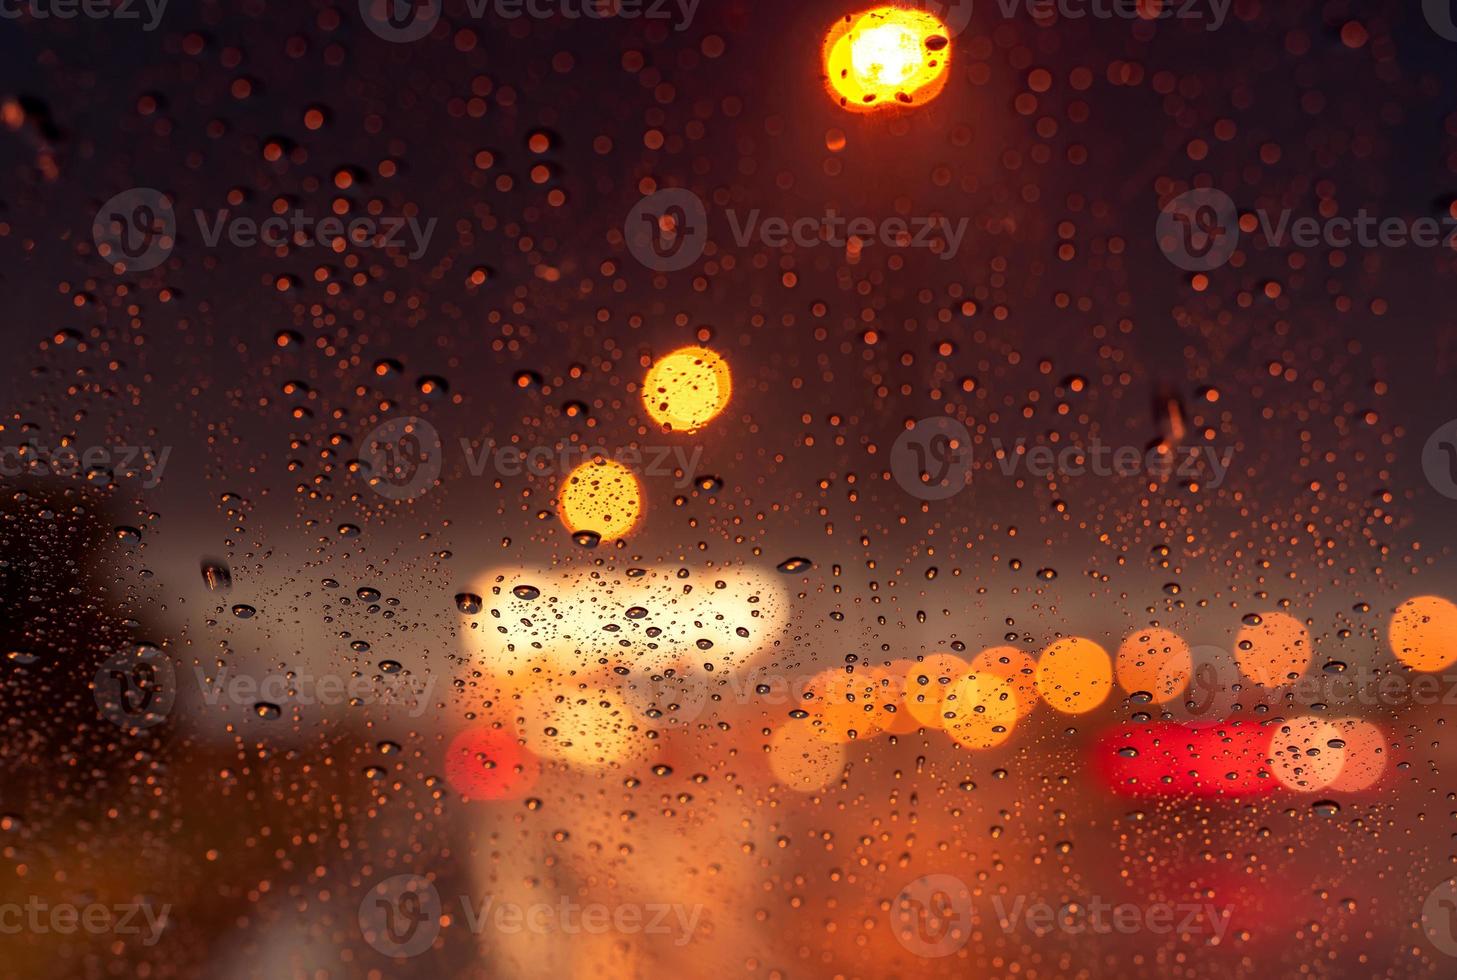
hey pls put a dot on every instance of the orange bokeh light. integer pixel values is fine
(1156, 661)
(1423, 633)
(888, 56)
(1015, 665)
(1074, 675)
(1273, 652)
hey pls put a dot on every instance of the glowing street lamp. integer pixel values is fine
(888, 56)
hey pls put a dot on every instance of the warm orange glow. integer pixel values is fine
(1302, 756)
(1016, 666)
(1365, 755)
(601, 496)
(802, 760)
(686, 389)
(1155, 661)
(984, 709)
(926, 685)
(1423, 633)
(844, 706)
(1273, 652)
(888, 696)
(1074, 675)
(887, 56)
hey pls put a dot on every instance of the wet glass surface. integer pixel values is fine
(711, 488)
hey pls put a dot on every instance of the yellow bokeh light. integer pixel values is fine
(1273, 652)
(601, 496)
(926, 685)
(1015, 665)
(1423, 633)
(982, 710)
(686, 389)
(1074, 675)
(888, 56)
(1156, 661)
